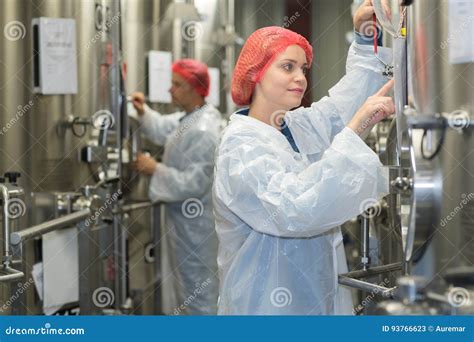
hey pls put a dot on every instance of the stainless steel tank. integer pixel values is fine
(16, 103)
(53, 154)
(36, 140)
(440, 85)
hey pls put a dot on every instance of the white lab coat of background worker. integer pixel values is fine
(183, 181)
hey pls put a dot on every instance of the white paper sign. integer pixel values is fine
(57, 60)
(37, 274)
(159, 76)
(60, 269)
(460, 39)
(214, 92)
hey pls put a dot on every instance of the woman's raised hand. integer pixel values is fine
(377, 107)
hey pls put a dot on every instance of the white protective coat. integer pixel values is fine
(278, 211)
(183, 181)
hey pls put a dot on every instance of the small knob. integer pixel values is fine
(12, 176)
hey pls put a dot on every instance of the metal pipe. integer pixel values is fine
(230, 55)
(365, 224)
(6, 225)
(437, 297)
(385, 292)
(373, 271)
(11, 275)
(48, 226)
(131, 207)
(400, 87)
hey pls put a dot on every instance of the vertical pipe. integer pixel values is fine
(365, 224)
(117, 99)
(6, 226)
(400, 88)
(155, 213)
(230, 56)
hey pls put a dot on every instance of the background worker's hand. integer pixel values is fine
(138, 100)
(145, 164)
(376, 108)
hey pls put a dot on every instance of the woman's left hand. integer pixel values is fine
(145, 164)
(363, 14)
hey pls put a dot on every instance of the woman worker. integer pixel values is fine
(282, 189)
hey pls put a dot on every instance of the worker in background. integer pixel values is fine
(183, 180)
(285, 180)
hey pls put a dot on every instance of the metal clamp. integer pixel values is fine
(351, 279)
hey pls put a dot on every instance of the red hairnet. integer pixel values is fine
(258, 53)
(195, 73)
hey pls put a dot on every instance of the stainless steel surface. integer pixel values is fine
(433, 212)
(34, 139)
(414, 212)
(393, 237)
(437, 86)
(16, 99)
(141, 34)
(426, 201)
(52, 157)
(48, 226)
